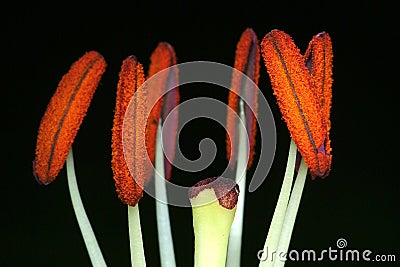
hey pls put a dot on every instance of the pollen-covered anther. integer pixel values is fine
(128, 135)
(64, 115)
(247, 62)
(163, 75)
(300, 106)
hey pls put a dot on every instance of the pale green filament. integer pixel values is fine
(291, 213)
(274, 233)
(235, 237)
(166, 246)
(135, 237)
(87, 232)
(281, 228)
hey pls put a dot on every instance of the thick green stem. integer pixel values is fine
(135, 237)
(87, 232)
(212, 224)
(210, 249)
(166, 245)
(274, 233)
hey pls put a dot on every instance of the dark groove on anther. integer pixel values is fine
(60, 125)
(295, 95)
(323, 78)
(134, 124)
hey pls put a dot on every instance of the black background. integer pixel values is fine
(357, 201)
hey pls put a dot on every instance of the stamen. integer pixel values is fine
(293, 88)
(129, 188)
(64, 115)
(247, 60)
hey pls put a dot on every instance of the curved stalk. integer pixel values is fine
(274, 233)
(88, 235)
(291, 212)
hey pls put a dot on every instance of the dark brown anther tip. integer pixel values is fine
(226, 190)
